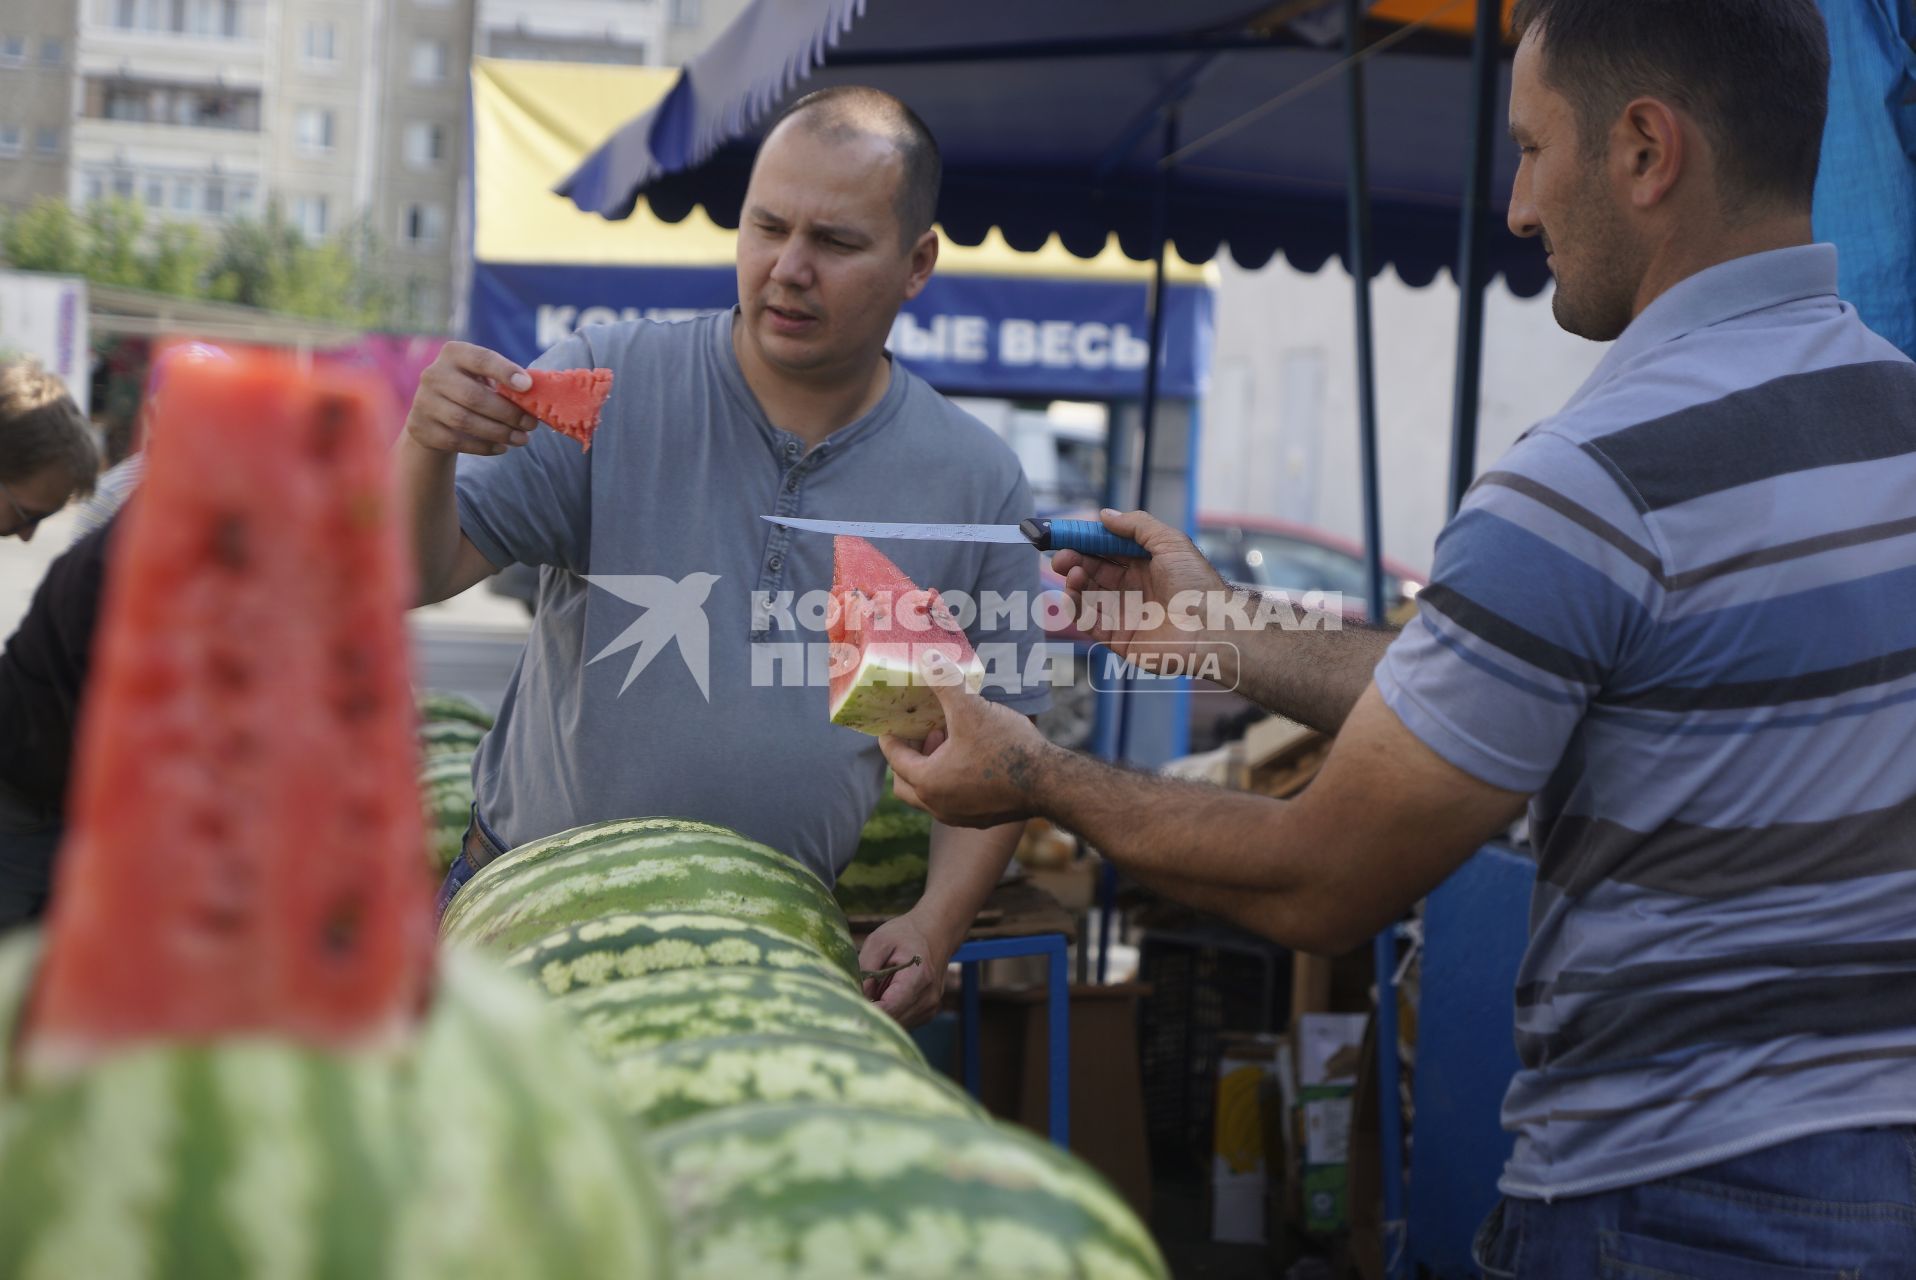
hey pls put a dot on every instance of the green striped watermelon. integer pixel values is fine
(234, 1052)
(445, 788)
(687, 1078)
(631, 946)
(434, 705)
(438, 737)
(641, 865)
(776, 1191)
(887, 875)
(633, 1014)
(486, 1147)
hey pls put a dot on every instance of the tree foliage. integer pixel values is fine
(263, 262)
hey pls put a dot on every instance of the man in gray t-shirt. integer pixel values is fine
(666, 672)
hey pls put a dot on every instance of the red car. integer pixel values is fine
(1251, 551)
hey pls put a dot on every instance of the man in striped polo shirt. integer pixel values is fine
(1676, 619)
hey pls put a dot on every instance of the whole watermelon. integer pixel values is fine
(887, 875)
(486, 1148)
(687, 1078)
(434, 704)
(445, 790)
(780, 1191)
(624, 1017)
(643, 865)
(632, 946)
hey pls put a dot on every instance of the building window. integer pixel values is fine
(126, 14)
(429, 61)
(182, 195)
(9, 139)
(425, 144)
(422, 225)
(686, 13)
(46, 141)
(13, 51)
(313, 127)
(155, 194)
(123, 186)
(95, 189)
(310, 216)
(243, 198)
(215, 197)
(52, 53)
(316, 43)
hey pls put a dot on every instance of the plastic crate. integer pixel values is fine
(1202, 985)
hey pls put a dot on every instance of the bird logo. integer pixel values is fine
(674, 612)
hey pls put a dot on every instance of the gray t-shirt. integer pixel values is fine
(658, 567)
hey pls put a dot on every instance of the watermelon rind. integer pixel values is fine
(778, 1191)
(887, 695)
(634, 1014)
(644, 865)
(436, 704)
(445, 789)
(487, 1147)
(887, 874)
(441, 737)
(688, 1078)
(634, 945)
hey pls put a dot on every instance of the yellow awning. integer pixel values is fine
(535, 121)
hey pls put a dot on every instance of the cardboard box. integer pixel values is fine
(1241, 1163)
(1328, 1045)
(1107, 1089)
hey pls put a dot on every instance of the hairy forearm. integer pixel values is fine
(425, 479)
(1313, 676)
(965, 866)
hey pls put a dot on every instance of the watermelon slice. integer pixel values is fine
(244, 855)
(567, 400)
(880, 623)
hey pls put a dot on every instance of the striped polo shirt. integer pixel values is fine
(1681, 614)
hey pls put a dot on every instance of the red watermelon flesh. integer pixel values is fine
(567, 400)
(879, 625)
(243, 857)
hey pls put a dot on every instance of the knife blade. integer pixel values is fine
(1087, 536)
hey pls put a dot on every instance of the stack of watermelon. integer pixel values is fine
(450, 727)
(887, 874)
(233, 1051)
(799, 1131)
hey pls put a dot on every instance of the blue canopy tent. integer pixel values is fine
(1198, 125)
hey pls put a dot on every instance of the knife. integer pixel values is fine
(1088, 536)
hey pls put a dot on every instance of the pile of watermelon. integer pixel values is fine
(234, 1050)
(887, 874)
(798, 1131)
(450, 727)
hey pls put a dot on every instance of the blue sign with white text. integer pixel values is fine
(966, 335)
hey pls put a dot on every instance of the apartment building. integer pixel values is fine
(623, 32)
(36, 102)
(343, 111)
(690, 25)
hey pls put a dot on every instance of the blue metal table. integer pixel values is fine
(1058, 1020)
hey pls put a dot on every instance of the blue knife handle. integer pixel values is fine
(1088, 536)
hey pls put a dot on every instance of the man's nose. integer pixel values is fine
(794, 264)
(1522, 216)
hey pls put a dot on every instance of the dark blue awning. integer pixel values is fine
(1049, 113)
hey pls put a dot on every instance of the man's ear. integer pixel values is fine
(1656, 147)
(924, 256)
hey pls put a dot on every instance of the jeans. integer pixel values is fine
(479, 840)
(1832, 1206)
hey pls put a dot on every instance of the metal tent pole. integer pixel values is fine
(1160, 237)
(1384, 947)
(1484, 62)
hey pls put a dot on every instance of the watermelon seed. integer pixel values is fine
(341, 927)
(230, 672)
(329, 427)
(229, 542)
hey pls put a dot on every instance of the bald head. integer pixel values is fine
(846, 112)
